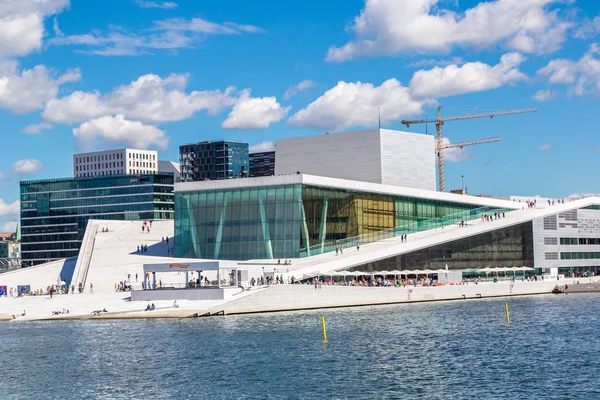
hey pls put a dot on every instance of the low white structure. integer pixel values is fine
(377, 155)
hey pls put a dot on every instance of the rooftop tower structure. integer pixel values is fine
(382, 156)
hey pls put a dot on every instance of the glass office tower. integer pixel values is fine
(55, 212)
(214, 160)
(300, 220)
(262, 164)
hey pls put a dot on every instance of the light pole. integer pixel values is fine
(426, 123)
(462, 180)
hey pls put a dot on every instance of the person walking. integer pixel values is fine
(91, 287)
(357, 247)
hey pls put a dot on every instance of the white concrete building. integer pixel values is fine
(115, 162)
(377, 155)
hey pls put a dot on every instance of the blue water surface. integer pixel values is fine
(441, 350)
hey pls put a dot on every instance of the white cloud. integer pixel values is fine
(22, 24)
(10, 210)
(455, 154)
(56, 28)
(254, 112)
(23, 91)
(351, 104)
(170, 34)
(156, 4)
(544, 95)
(117, 130)
(27, 166)
(300, 87)
(150, 99)
(9, 227)
(432, 62)
(588, 28)
(582, 75)
(545, 147)
(389, 27)
(37, 129)
(262, 147)
(199, 25)
(471, 77)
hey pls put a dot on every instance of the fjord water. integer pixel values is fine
(441, 350)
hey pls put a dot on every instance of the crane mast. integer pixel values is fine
(439, 138)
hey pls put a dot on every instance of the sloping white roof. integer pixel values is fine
(343, 184)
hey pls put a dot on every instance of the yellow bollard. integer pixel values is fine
(507, 314)
(324, 330)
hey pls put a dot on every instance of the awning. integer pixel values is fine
(190, 266)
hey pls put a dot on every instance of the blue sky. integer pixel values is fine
(80, 75)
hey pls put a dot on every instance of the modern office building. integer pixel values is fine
(10, 249)
(115, 162)
(309, 218)
(10, 255)
(214, 160)
(54, 212)
(378, 155)
(262, 164)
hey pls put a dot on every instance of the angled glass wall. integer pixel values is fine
(507, 247)
(299, 220)
(249, 223)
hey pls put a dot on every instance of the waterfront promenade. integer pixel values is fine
(265, 299)
(114, 258)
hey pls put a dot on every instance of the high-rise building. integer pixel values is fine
(211, 160)
(262, 164)
(115, 162)
(55, 212)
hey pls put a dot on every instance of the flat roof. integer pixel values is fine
(177, 266)
(344, 184)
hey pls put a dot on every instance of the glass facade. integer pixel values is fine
(506, 247)
(262, 164)
(291, 221)
(224, 159)
(55, 212)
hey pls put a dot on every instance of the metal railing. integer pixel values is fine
(410, 228)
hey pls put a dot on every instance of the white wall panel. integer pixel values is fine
(407, 159)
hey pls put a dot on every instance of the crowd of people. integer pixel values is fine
(123, 286)
(492, 217)
(375, 281)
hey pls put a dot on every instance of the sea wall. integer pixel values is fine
(301, 297)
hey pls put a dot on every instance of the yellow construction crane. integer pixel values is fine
(440, 146)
